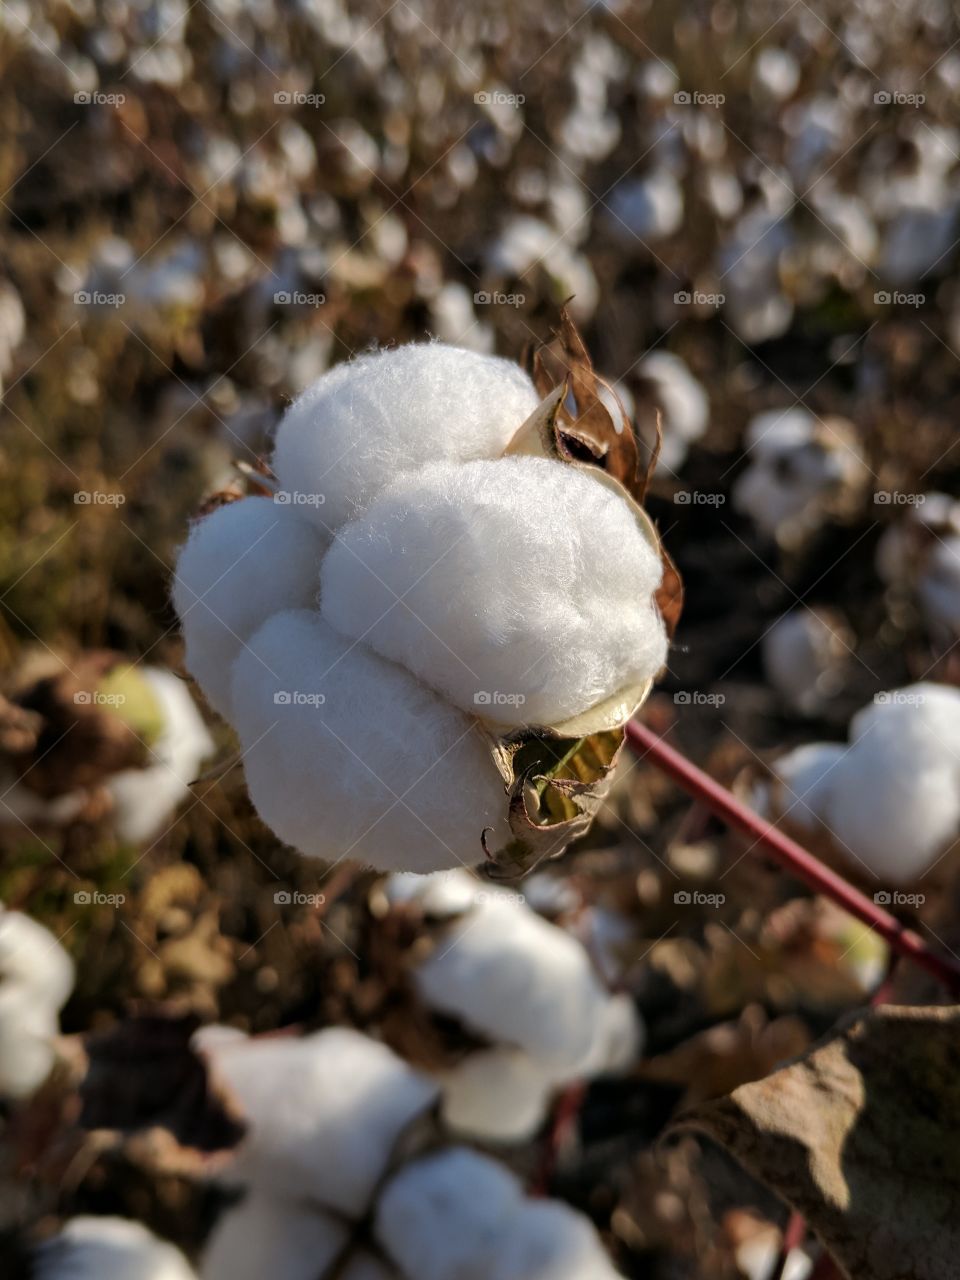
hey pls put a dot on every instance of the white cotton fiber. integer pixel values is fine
(324, 1112)
(520, 589)
(145, 800)
(496, 1095)
(439, 895)
(804, 653)
(805, 777)
(446, 1215)
(242, 563)
(891, 800)
(32, 960)
(347, 755)
(683, 401)
(264, 1236)
(89, 1248)
(548, 1240)
(519, 980)
(366, 421)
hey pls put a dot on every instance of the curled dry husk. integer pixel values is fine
(557, 776)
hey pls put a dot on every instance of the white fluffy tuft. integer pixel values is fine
(520, 589)
(347, 755)
(368, 420)
(324, 1113)
(89, 1248)
(36, 978)
(242, 563)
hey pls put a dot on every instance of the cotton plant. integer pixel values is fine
(800, 470)
(529, 989)
(888, 800)
(107, 1248)
(434, 579)
(152, 722)
(36, 979)
(919, 557)
(805, 656)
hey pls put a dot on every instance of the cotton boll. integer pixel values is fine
(144, 800)
(748, 271)
(804, 655)
(776, 73)
(365, 421)
(920, 554)
(27, 1031)
(683, 401)
(519, 980)
(939, 589)
(803, 778)
(440, 895)
(646, 209)
(32, 960)
(347, 755)
(496, 1095)
(265, 1236)
(242, 563)
(550, 1241)
(91, 1248)
(447, 1214)
(618, 1038)
(324, 1113)
(521, 589)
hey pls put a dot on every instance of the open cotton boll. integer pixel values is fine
(27, 1031)
(365, 421)
(521, 589)
(804, 655)
(446, 1215)
(517, 979)
(686, 409)
(645, 209)
(803, 779)
(347, 755)
(548, 1240)
(439, 895)
(32, 960)
(144, 799)
(324, 1113)
(241, 563)
(264, 1236)
(496, 1095)
(90, 1248)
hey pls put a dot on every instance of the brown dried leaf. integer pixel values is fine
(862, 1136)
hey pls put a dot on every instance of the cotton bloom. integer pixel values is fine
(799, 470)
(324, 1112)
(527, 986)
(107, 1248)
(804, 656)
(36, 978)
(410, 593)
(457, 1213)
(889, 799)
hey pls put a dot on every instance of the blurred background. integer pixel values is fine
(753, 210)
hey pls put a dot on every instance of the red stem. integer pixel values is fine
(790, 855)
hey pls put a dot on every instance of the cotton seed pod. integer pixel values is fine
(36, 978)
(266, 1236)
(89, 1248)
(324, 1113)
(919, 556)
(889, 801)
(492, 608)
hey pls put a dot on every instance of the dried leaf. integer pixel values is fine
(862, 1136)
